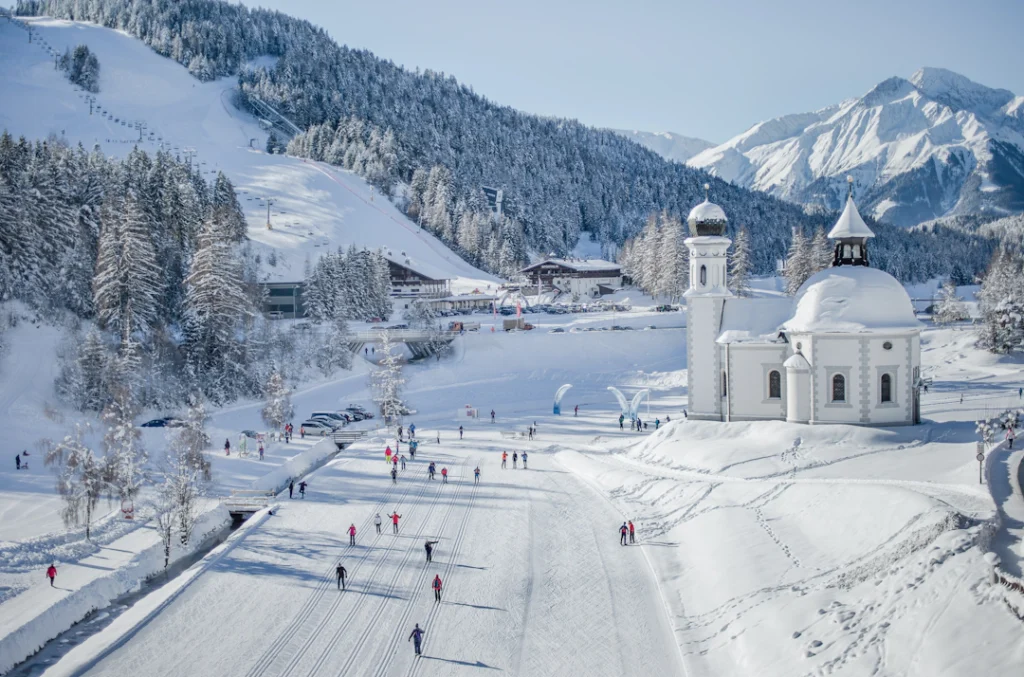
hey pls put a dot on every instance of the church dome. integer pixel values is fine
(707, 218)
(852, 300)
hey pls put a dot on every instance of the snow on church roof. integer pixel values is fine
(706, 212)
(852, 300)
(754, 320)
(850, 223)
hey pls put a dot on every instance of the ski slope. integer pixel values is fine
(315, 208)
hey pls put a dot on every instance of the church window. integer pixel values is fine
(838, 388)
(725, 385)
(774, 385)
(703, 276)
(886, 389)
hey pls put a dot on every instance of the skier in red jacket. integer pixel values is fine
(51, 573)
(352, 534)
(436, 585)
(394, 520)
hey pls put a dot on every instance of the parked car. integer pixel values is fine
(251, 434)
(557, 330)
(314, 427)
(336, 420)
(355, 407)
(156, 423)
(355, 415)
(399, 326)
(650, 326)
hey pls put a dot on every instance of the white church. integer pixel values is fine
(845, 349)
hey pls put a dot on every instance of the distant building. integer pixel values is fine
(462, 302)
(407, 281)
(283, 300)
(589, 278)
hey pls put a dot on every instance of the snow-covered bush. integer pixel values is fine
(81, 477)
(278, 409)
(387, 381)
(950, 307)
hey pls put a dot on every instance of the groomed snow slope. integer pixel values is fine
(315, 207)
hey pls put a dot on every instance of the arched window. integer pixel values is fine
(725, 385)
(774, 385)
(838, 388)
(886, 389)
(703, 276)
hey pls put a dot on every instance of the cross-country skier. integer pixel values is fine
(632, 532)
(623, 532)
(492, 416)
(291, 488)
(394, 520)
(376, 522)
(657, 423)
(439, 437)
(460, 434)
(402, 457)
(400, 432)
(227, 447)
(504, 459)
(341, 576)
(417, 637)
(476, 475)
(387, 455)
(17, 461)
(621, 419)
(515, 459)
(576, 410)
(436, 585)
(430, 469)
(261, 451)
(444, 475)
(51, 573)
(302, 489)
(412, 430)
(352, 534)
(394, 475)
(429, 546)
(524, 460)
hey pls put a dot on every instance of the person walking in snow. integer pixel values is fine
(394, 475)
(302, 489)
(515, 459)
(51, 573)
(412, 430)
(657, 423)
(1010, 435)
(1020, 393)
(623, 532)
(429, 547)
(400, 432)
(436, 585)
(476, 475)
(394, 520)
(403, 460)
(504, 459)
(524, 460)
(961, 398)
(376, 523)
(632, 532)
(302, 432)
(227, 447)
(439, 437)
(352, 534)
(261, 451)
(417, 638)
(444, 475)
(342, 573)
(430, 469)
(576, 410)
(622, 418)
(387, 455)
(17, 461)
(639, 424)
(291, 488)
(460, 433)
(492, 416)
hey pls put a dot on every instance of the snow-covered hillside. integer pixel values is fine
(934, 145)
(669, 145)
(314, 207)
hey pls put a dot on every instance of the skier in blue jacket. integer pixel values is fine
(417, 638)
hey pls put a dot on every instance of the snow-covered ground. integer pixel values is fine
(315, 207)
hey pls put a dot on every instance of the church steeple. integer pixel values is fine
(850, 234)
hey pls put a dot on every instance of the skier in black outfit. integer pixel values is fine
(342, 573)
(430, 469)
(417, 637)
(302, 489)
(515, 459)
(394, 476)
(17, 461)
(460, 432)
(291, 487)
(429, 546)
(623, 533)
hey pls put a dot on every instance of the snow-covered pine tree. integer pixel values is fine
(278, 408)
(950, 307)
(191, 436)
(821, 251)
(799, 262)
(184, 485)
(739, 273)
(672, 259)
(387, 380)
(93, 364)
(226, 201)
(125, 458)
(127, 284)
(80, 478)
(1002, 305)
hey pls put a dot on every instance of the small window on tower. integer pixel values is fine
(703, 276)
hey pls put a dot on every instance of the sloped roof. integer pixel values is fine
(850, 223)
(578, 264)
(852, 300)
(754, 320)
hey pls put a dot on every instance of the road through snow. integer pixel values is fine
(535, 581)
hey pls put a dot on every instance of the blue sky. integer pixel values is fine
(708, 69)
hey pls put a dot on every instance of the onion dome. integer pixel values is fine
(707, 218)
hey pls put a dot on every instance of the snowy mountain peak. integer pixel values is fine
(669, 145)
(933, 145)
(959, 92)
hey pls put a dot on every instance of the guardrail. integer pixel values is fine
(247, 501)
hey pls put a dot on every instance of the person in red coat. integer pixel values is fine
(352, 535)
(436, 585)
(632, 532)
(51, 573)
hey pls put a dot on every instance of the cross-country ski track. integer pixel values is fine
(535, 581)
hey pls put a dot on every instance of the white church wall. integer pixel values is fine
(897, 361)
(832, 356)
(703, 315)
(748, 368)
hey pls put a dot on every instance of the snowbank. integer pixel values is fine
(64, 612)
(85, 655)
(297, 466)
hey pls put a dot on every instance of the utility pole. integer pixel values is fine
(269, 202)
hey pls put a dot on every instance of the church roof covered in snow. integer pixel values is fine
(746, 320)
(852, 300)
(850, 223)
(706, 212)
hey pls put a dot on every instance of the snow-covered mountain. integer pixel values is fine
(937, 144)
(669, 145)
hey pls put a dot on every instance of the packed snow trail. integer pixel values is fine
(535, 582)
